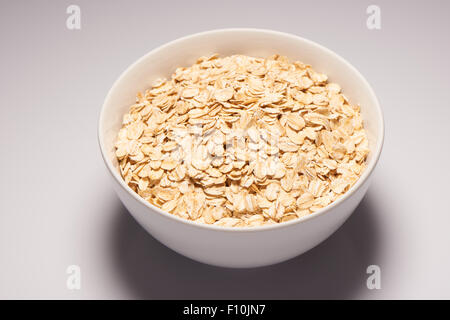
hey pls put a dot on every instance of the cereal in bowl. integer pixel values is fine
(242, 141)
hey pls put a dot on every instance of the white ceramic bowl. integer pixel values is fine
(238, 247)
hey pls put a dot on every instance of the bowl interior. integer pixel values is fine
(163, 61)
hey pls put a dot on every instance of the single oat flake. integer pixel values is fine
(240, 141)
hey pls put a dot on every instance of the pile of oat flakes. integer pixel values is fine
(242, 141)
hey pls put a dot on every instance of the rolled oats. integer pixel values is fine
(242, 141)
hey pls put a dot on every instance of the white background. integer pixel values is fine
(57, 207)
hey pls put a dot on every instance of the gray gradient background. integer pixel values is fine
(57, 207)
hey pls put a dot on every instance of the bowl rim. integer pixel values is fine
(363, 178)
